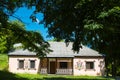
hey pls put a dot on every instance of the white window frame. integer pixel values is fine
(19, 63)
(34, 64)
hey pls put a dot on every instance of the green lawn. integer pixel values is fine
(3, 62)
(5, 75)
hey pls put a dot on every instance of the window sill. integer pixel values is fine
(90, 70)
(20, 68)
(63, 68)
(32, 69)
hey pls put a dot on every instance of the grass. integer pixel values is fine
(5, 75)
(3, 62)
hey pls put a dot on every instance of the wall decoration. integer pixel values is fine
(79, 65)
(26, 64)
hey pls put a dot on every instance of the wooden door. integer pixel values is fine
(52, 67)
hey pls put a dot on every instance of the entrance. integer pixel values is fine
(52, 67)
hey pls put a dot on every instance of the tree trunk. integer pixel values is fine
(114, 68)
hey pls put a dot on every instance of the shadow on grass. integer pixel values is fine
(5, 75)
(62, 78)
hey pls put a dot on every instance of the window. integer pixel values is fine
(63, 65)
(21, 64)
(89, 65)
(32, 63)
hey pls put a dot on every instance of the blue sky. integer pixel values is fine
(24, 14)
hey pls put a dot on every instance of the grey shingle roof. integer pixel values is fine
(60, 50)
(22, 52)
(85, 51)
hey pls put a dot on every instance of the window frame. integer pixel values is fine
(91, 65)
(30, 65)
(61, 65)
(21, 64)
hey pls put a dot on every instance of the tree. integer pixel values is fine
(106, 39)
(70, 19)
(33, 41)
(67, 19)
(3, 43)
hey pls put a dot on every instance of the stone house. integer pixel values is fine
(61, 61)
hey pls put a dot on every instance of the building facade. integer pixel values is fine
(61, 61)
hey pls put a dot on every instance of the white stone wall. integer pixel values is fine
(13, 64)
(80, 66)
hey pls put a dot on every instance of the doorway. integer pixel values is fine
(52, 67)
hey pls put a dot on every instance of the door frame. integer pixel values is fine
(49, 65)
(52, 67)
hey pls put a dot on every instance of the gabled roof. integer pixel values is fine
(60, 50)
